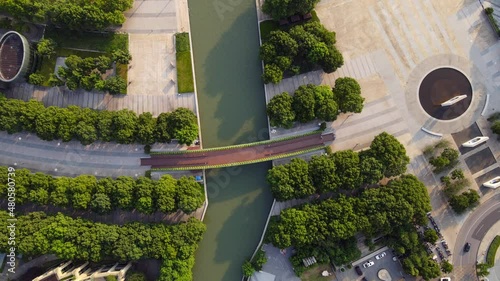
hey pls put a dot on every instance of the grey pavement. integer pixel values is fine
(278, 263)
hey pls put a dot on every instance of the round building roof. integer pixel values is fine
(14, 56)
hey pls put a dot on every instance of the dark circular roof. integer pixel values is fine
(441, 85)
(12, 51)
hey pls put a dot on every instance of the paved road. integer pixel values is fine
(473, 231)
(235, 155)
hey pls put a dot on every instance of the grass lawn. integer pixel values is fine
(47, 65)
(314, 274)
(492, 251)
(92, 41)
(185, 83)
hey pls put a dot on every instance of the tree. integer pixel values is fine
(105, 126)
(371, 170)
(124, 192)
(161, 128)
(460, 203)
(322, 172)
(495, 127)
(284, 44)
(325, 106)
(446, 266)
(347, 94)
(247, 269)
(46, 47)
(332, 62)
(430, 236)
(100, 203)
(272, 74)
(121, 56)
(144, 194)
(279, 9)
(280, 112)
(136, 276)
(182, 125)
(125, 126)
(430, 269)
(482, 269)
(259, 259)
(165, 192)
(347, 167)
(36, 79)
(304, 102)
(146, 126)
(115, 85)
(190, 195)
(291, 180)
(390, 153)
(47, 123)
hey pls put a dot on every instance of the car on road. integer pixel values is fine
(381, 255)
(358, 270)
(493, 183)
(467, 247)
(475, 141)
(368, 264)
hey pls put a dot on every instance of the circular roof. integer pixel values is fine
(13, 49)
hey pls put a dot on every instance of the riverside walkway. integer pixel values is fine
(237, 155)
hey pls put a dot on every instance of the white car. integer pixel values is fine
(368, 264)
(475, 141)
(381, 255)
(493, 183)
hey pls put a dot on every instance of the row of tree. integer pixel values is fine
(78, 239)
(300, 49)
(319, 228)
(279, 9)
(88, 125)
(345, 170)
(70, 14)
(103, 195)
(311, 102)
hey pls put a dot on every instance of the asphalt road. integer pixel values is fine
(473, 231)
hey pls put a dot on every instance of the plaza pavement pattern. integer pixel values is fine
(389, 46)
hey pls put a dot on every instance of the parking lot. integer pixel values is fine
(371, 273)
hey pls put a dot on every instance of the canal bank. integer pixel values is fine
(232, 111)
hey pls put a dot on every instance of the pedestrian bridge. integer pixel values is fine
(239, 154)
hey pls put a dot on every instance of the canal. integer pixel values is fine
(232, 111)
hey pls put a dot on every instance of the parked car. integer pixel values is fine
(368, 264)
(475, 141)
(467, 247)
(381, 255)
(445, 279)
(358, 270)
(493, 183)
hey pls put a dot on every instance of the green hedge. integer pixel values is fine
(235, 146)
(492, 251)
(241, 163)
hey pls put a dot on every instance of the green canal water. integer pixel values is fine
(232, 111)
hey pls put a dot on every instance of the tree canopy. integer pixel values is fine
(86, 192)
(69, 14)
(391, 154)
(87, 125)
(280, 112)
(78, 239)
(279, 9)
(347, 94)
(300, 49)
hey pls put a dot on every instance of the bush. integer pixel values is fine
(446, 266)
(147, 149)
(36, 79)
(259, 260)
(247, 269)
(46, 47)
(482, 269)
(460, 203)
(115, 85)
(495, 127)
(135, 276)
(447, 159)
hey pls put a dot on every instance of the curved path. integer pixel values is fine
(473, 231)
(237, 155)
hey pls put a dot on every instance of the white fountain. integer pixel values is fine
(454, 100)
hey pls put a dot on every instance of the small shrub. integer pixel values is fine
(259, 260)
(147, 148)
(495, 127)
(322, 126)
(247, 269)
(493, 117)
(328, 150)
(147, 174)
(488, 10)
(442, 144)
(457, 174)
(36, 79)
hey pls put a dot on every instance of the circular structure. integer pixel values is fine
(15, 56)
(383, 274)
(442, 85)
